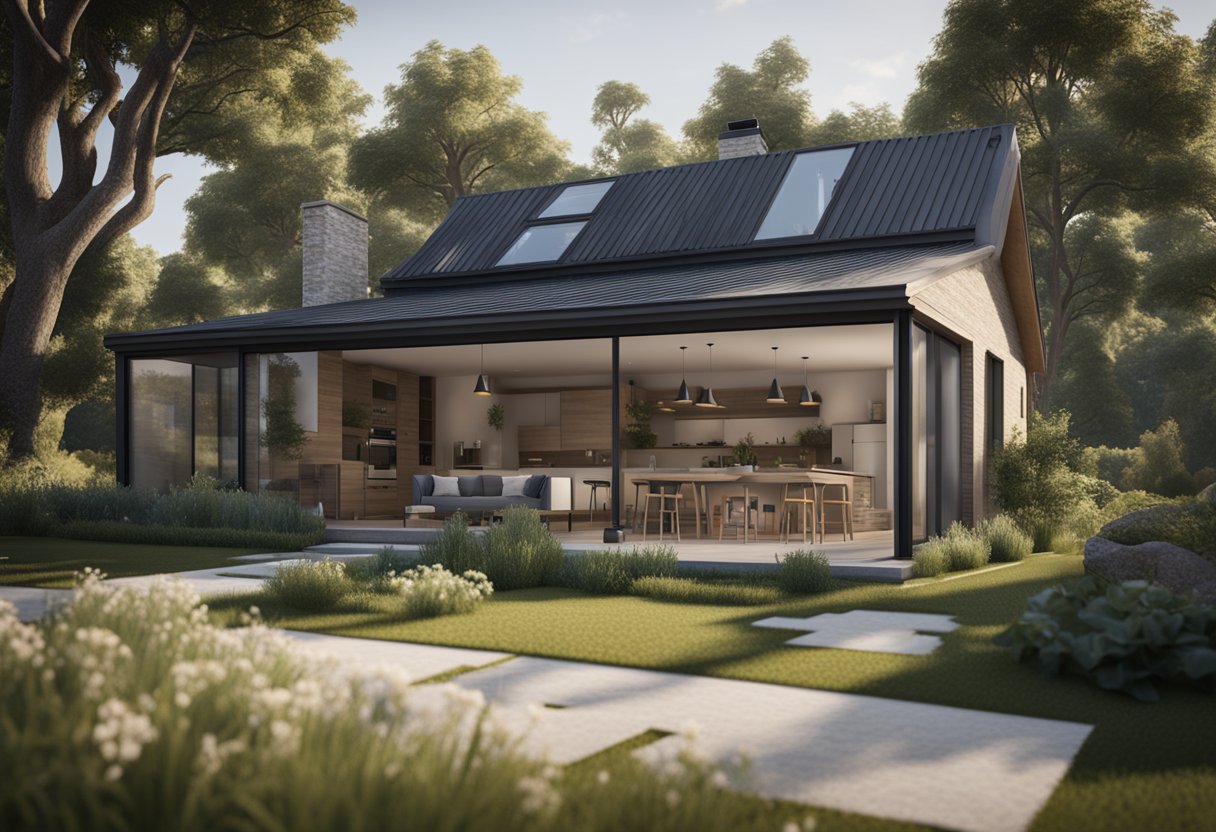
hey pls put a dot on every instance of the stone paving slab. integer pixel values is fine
(949, 767)
(869, 630)
(883, 641)
(33, 603)
(418, 661)
(206, 582)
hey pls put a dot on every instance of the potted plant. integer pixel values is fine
(744, 451)
(811, 437)
(495, 415)
(638, 431)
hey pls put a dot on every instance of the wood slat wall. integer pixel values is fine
(586, 419)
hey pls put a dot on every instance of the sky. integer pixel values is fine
(860, 50)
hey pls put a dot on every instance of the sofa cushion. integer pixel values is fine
(514, 486)
(445, 486)
(471, 505)
(491, 485)
(535, 485)
(470, 486)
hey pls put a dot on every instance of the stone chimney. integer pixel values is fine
(334, 243)
(742, 138)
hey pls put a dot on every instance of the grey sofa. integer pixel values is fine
(483, 492)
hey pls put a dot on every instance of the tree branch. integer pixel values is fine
(24, 26)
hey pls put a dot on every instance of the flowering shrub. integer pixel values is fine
(129, 709)
(430, 591)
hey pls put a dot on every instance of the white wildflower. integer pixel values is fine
(602, 778)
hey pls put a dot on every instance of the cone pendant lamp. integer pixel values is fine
(683, 397)
(775, 396)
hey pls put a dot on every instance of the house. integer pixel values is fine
(889, 281)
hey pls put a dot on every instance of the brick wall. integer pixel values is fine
(334, 248)
(974, 305)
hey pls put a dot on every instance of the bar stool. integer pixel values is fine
(595, 486)
(672, 511)
(846, 509)
(804, 503)
(728, 507)
(638, 485)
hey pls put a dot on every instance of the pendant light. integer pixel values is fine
(807, 398)
(682, 397)
(775, 396)
(482, 387)
(706, 399)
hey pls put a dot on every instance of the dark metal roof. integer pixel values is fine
(855, 273)
(926, 187)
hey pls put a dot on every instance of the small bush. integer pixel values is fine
(611, 571)
(958, 549)
(689, 591)
(375, 573)
(804, 572)
(1006, 541)
(1129, 501)
(114, 532)
(431, 591)
(520, 552)
(456, 546)
(310, 586)
(1122, 636)
(1191, 525)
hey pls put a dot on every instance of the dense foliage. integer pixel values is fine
(1191, 525)
(516, 553)
(1123, 636)
(958, 549)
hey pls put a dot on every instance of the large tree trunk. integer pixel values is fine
(33, 306)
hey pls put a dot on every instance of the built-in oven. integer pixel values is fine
(381, 454)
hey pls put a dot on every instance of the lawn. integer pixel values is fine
(50, 562)
(1144, 766)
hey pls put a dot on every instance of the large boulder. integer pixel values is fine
(1209, 494)
(1179, 570)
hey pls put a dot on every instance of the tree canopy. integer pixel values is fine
(628, 145)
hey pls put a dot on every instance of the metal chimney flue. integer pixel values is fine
(742, 138)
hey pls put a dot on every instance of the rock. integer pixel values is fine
(1177, 569)
(1209, 494)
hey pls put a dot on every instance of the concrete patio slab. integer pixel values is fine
(883, 641)
(33, 603)
(418, 661)
(206, 582)
(870, 630)
(948, 767)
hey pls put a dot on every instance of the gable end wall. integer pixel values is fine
(973, 305)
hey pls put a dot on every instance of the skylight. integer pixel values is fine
(541, 243)
(805, 194)
(576, 200)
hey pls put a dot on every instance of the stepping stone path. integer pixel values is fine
(869, 630)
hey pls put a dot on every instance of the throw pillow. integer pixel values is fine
(536, 484)
(514, 486)
(491, 485)
(469, 486)
(446, 487)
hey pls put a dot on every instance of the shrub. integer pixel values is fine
(1122, 636)
(375, 572)
(1128, 502)
(1191, 525)
(131, 710)
(1109, 463)
(611, 571)
(520, 552)
(456, 546)
(431, 591)
(804, 572)
(958, 549)
(113, 532)
(1006, 541)
(689, 591)
(1157, 465)
(310, 585)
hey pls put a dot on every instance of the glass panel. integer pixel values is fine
(207, 421)
(805, 194)
(160, 423)
(542, 243)
(577, 200)
(920, 425)
(287, 413)
(950, 438)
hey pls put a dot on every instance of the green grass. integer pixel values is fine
(51, 562)
(1144, 766)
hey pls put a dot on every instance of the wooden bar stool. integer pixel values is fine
(638, 485)
(802, 502)
(669, 497)
(839, 497)
(595, 486)
(728, 507)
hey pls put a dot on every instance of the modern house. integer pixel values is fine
(881, 290)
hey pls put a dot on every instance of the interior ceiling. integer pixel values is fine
(858, 347)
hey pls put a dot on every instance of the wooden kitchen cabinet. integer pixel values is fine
(586, 419)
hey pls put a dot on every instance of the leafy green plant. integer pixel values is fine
(691, 591)
(815, 435)
(1130, 501)
(312, 586)
(744, 452)
(637, 431)
(958, 549)
(283, 435)
(1191, 525)
(804, 572)
(1122, 636)
(431, 591)
(496, 416)
(456, 546)
(1006, 541)
(520, 551)
(611, 571)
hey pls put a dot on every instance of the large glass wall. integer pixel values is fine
(184, 413)
(936, 433)
(285, 417)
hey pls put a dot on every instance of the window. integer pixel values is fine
(994, 402)
(576, 200)
(541, 243)
(804, 194)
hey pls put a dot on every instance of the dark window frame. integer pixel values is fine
(994, 402)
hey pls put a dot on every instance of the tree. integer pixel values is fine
(1157, 466)
(1105, 97)
(628, 145)
(197, 64)
(1089, 388)
(861, 123)
(769, 92)
(452, 128)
